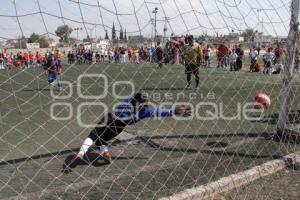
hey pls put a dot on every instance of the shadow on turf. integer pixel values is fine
(293, 118)
(249, 135)
(46, 155)
(242, 155)
(91, 158)
(152, 144)
(36, 90)
(95, 160)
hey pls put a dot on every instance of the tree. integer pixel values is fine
(33, 38)
(64, 32)
(125, 36)
(121, 35)
(72, 40)
(87, 39)
(36, 38)
(20, 43)
(106, 35)
(44, 42)
(248, 33)
(113, 32)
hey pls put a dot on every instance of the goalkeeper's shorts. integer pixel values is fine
(192, 69)
(108, 128)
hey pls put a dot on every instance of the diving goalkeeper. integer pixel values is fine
(128, 112)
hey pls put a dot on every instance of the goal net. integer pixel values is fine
(65, 64)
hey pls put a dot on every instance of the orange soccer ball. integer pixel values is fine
(262, 100)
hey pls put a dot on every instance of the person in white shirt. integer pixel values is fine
(268, 60)
(105, 54)
(232, 60)
(207, 56)
(123, 55)
(253, 56)
(102, 54)
(111, 55)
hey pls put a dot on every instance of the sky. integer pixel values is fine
(23, 17)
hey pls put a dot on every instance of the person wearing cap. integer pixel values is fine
(130, 111)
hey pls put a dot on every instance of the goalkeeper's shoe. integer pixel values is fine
(71, 162)
(107, 157)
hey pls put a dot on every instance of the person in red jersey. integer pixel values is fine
(25, 60)
(222, 52)
(39, 58)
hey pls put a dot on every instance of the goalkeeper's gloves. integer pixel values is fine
(183, 110)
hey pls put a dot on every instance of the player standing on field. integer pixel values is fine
(193, 56)
(53, 70)
(159, 53)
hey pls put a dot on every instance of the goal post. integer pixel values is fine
(289, 69)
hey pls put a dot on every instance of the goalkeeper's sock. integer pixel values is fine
(85, 146)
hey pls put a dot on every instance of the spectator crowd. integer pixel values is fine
(172, 52)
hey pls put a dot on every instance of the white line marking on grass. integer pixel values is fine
(228, 183)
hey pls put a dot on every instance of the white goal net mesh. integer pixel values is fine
(108, 50)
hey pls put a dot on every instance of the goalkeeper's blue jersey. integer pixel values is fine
(129, 114)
